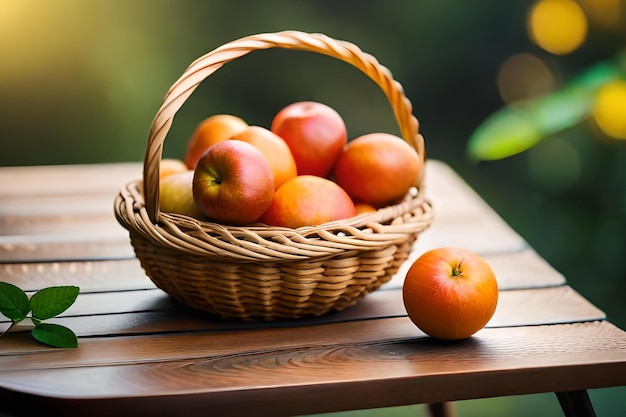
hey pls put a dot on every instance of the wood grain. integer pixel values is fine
(57, 181)
(151, 312)
(86, 246)
(399, 367)
(90, 276)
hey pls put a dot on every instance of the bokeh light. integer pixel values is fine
(606, 14)
(558, 26)
(609, 111)
(524, 76)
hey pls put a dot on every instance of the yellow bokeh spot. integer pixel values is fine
(558, 26)
(610, 109)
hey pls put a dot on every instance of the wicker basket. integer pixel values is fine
(262, 272)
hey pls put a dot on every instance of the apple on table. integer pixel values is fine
(450, 293)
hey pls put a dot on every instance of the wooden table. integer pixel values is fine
(142, 354)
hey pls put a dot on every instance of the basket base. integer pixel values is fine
(269, 291)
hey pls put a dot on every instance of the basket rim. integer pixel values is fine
(390, 225)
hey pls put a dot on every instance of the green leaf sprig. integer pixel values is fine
(518, 127)
(44, 304)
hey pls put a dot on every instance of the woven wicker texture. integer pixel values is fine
(261, 272)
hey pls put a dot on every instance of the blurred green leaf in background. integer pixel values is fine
(519, 126)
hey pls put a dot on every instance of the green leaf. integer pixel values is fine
(520, 126)
(52, 301)
(14, 302)
(55, 335)
(561, 110)
(505, 133)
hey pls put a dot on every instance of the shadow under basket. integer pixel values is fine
(263, 272)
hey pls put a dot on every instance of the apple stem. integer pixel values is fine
(456, 270)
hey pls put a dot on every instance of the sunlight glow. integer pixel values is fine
(40, 37)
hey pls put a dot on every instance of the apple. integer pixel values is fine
(176, 194)
(315, 133)
(168, 166)
(274, 149)
(450, 293)
(212, 130)
(377, 168)
(233, 183)
(308, 200)
(364, 208)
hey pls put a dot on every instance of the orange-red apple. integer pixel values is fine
(210, 131)
(176, 195)
(450, 293)
(275, 150)
(233, 183)
(308, 200)
(377, 168)
(315, 133)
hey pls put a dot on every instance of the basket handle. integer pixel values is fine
(207, 64)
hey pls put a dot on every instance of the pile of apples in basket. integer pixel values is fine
(301, 171)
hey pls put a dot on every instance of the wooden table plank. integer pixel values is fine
(36, 206)
(57, 181)
(66, 222)
(289, 380)
(523, 269)
(90, 276)
(151, 312)
(86, 246)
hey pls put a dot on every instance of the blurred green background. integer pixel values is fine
(81, 80)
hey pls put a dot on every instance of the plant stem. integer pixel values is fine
(13, 324)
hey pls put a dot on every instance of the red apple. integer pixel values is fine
(450, 293)
(233, 183)
(315, 133)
